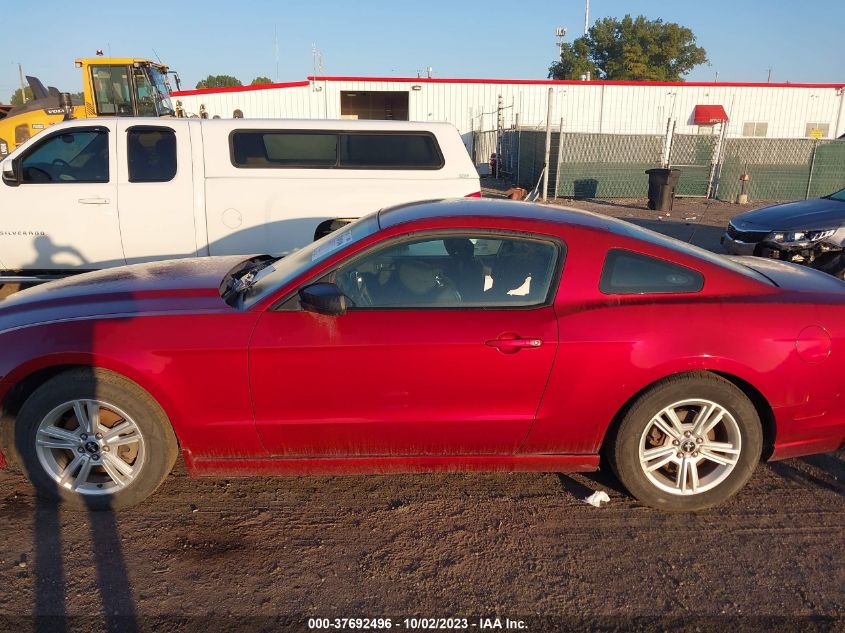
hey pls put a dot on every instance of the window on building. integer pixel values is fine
(629, 273)
(151, 154)
(755, 128)
(817, 130)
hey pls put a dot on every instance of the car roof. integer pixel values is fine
(474, 207)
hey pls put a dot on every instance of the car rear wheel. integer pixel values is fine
(94, 440)
(688, 443)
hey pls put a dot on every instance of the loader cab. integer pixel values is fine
(125, 87)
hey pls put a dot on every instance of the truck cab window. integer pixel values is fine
(151, 154)
(111, 90)
(74, 156)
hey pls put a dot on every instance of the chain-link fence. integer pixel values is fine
(613, 165)
(695, 156)
(607, 165)
(781, 169)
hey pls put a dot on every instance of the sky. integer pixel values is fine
(799, 41)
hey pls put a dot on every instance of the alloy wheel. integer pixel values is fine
(90, 447)
(690, 447)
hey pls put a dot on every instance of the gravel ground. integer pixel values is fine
(267, 554)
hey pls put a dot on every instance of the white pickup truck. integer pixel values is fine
(89, 194)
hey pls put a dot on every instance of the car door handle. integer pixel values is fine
(93, 201)
(510, 345)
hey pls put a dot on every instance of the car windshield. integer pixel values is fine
(288, 268)
(839, 195)
(632, 230)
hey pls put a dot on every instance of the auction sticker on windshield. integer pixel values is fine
(336, 242)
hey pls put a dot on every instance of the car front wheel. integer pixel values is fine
(688, 443)
(94, 440)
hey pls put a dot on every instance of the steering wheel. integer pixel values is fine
(60, 162)
(37, 174)
(448, 289)
(354, 286)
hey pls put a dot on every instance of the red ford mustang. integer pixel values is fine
(464, 335)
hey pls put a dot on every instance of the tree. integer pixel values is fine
(218, 81)
(16, 96)
(634, 49)
(260, 81)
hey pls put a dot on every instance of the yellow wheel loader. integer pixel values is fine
(112, 86)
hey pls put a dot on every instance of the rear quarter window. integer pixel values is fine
(629, 273)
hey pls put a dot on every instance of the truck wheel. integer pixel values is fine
(94, 440)
(688, 443)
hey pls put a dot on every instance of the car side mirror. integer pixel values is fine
(11, 172)
(323, 298)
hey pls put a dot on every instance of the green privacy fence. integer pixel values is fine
(613, 165)
(531, 149)
(607, 165)
(781, 169)
(693, 155)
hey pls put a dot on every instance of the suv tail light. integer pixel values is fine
(475, 194)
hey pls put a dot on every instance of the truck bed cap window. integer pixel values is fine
(272, 149)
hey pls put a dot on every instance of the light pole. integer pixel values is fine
(586, 17)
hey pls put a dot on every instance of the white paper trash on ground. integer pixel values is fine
(597, 497)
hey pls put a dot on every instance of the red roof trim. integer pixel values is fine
(535, 82)
(203, 91)
(557, 82)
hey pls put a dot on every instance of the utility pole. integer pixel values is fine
(587, 17)
(23, 85)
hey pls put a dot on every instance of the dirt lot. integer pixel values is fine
(268, 554)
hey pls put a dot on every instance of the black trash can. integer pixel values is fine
(661, 188)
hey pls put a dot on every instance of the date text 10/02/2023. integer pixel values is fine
(418, 623)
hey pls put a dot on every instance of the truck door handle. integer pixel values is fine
(93, 201)
(511, 343)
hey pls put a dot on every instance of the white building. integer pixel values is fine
(750, 109)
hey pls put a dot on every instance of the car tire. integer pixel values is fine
(123, 462)
(666, 456)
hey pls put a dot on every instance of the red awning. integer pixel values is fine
(709, 114)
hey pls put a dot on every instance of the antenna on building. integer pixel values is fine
(560, 33)
(318, 60)
(429, 71)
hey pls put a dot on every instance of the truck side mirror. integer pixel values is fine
(11, 172)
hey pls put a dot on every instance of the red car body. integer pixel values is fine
(252, 391)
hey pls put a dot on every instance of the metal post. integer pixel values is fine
(499, 125)
(841, 93)
(518, 146)
(559, 156)
(548, 147)
(812, 168)
(715, 161)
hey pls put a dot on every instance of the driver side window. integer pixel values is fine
(452, 271)
(74, 156)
